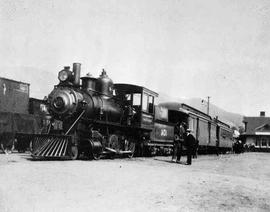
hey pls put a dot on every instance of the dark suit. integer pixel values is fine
(190, 142)
(179, 131)
(195, 149)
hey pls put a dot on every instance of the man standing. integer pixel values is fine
(176, 140)
(182, 133)
(179, 133)
(190, 142)
(195, 149)
(217, 147)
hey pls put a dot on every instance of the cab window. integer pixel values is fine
(191, 123)
(136, 99)
(145, 103)
(151, 104)
(148, 103)
(128, 97)
(114, 92)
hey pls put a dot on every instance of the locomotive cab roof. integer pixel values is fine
(129, 88)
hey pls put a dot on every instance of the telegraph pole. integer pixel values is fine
(208, 103)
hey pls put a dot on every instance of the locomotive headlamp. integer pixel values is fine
(63, 75)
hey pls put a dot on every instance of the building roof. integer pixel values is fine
(255, 123)
(11, 80)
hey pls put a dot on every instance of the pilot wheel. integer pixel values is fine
(74, 152)
(96, 149)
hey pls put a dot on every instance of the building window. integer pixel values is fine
(257, 142)
(263, 142)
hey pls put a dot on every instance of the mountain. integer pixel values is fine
(232, 119)
(41, 81)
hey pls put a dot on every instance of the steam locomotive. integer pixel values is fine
(97, 118)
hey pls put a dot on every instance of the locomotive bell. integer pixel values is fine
(104, 84)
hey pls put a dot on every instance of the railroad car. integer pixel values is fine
(14, 96)
(16, 123)
(210, 132)
(162, 136)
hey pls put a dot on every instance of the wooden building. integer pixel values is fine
(257, 132)
(14, 96)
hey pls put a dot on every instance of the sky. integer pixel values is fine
(183, 48)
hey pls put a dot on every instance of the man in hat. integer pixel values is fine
(195, 149)
(190, 142)
(182, 133)
(176, 140)
(179, 132)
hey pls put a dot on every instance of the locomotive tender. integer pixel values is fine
(97, 117)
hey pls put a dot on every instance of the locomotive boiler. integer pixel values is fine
(94, 121)
(94, 97)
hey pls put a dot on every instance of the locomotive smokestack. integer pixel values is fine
(77, 73)
(262, 114)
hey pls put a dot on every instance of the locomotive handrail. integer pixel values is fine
(75, 122)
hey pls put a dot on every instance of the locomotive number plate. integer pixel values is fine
(163, 132)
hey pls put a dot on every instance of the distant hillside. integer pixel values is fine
(233, 119)
(41, 81)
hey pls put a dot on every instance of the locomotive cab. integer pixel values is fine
(141, 102)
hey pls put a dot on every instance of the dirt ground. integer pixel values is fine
(212, 183)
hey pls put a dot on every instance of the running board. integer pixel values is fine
(118, 152)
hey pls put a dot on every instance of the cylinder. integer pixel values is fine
(77, 74)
